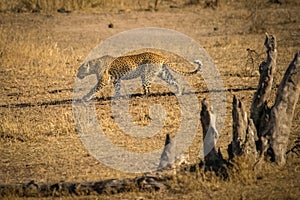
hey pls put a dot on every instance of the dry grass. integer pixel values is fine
(81, 5)
(39, 56)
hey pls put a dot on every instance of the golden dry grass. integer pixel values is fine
(39, 57)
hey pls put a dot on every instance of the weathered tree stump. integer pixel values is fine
(243, 132)
(251, 137)
(168, 155)
(213, 159)
(277, 130)
(239, 127)
(273, 123)
(259, 110)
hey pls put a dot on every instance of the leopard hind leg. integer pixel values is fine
(166, 76)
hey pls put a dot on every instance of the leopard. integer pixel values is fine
(145, 65)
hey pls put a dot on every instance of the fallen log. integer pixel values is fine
(112, 186)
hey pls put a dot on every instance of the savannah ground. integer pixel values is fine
(40, 53)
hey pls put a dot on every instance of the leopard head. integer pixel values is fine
(94, 66)
(86, 69)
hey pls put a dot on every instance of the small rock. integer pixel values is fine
(111, 25)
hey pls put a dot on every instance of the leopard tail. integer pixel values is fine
(169, 65)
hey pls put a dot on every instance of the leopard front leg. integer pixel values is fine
(89, 95)
(117, 86)
(147, 89)
(146, 85)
